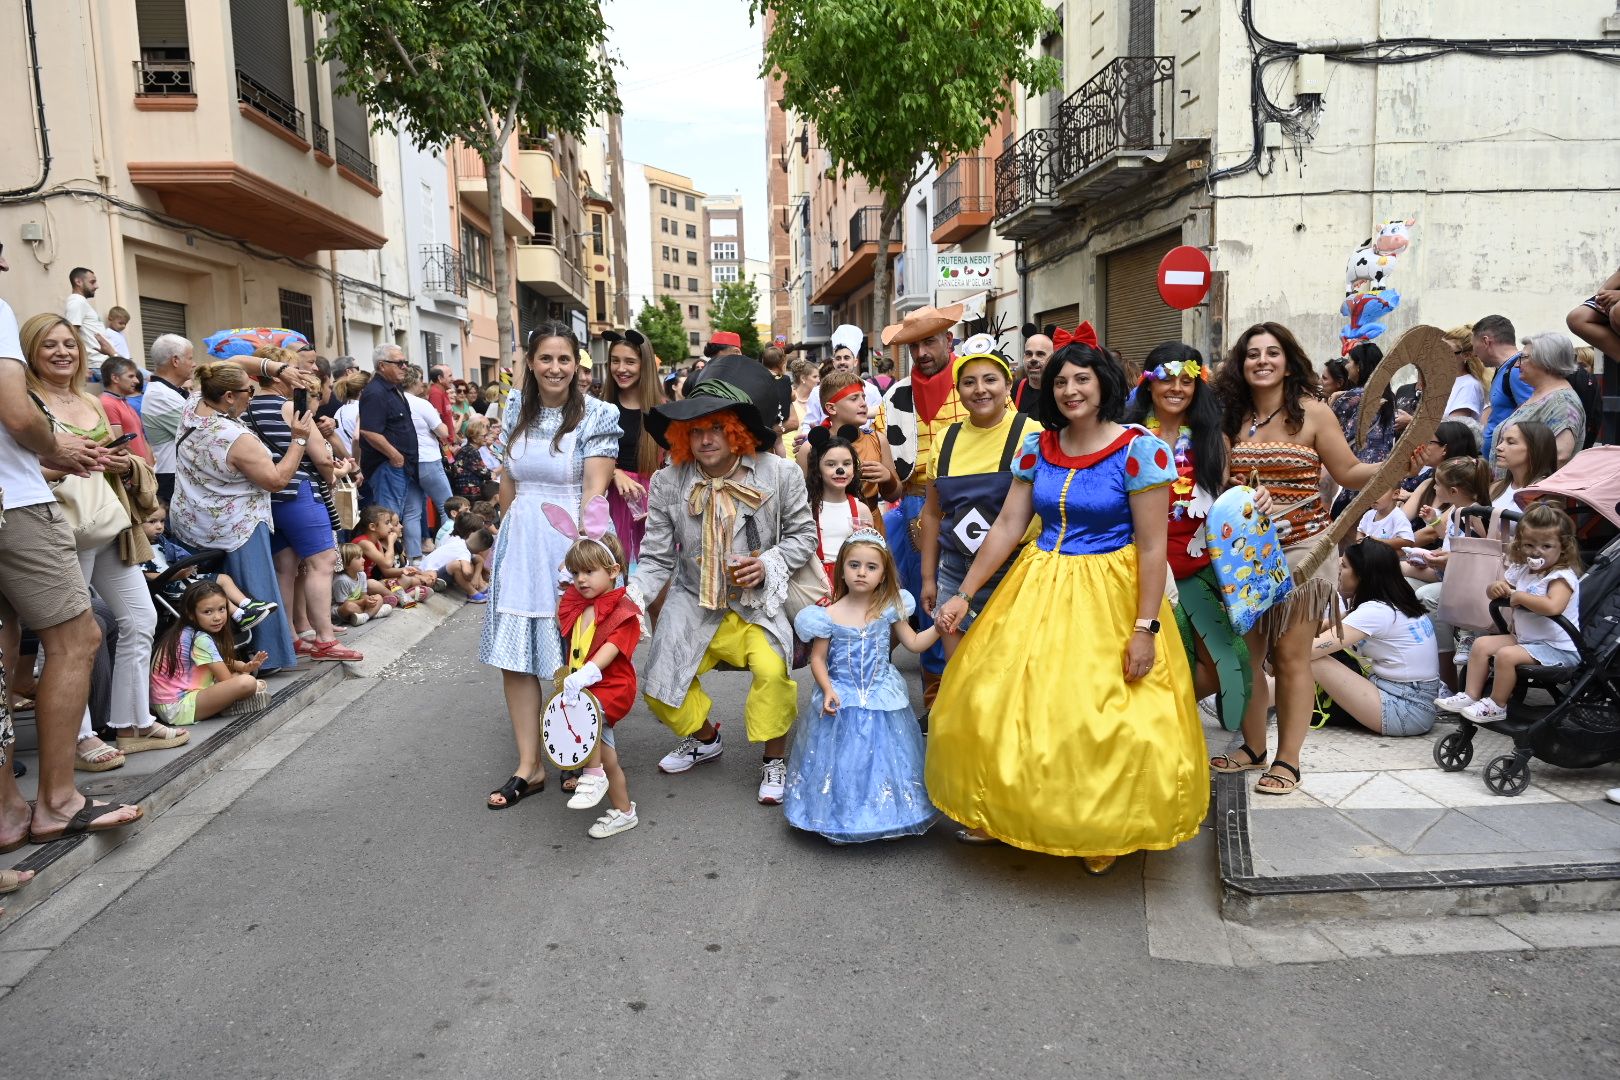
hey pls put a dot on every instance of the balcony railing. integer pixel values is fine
(1023, 172)
(1128, 106)
(163, 78)
(441, 270)
(865, 225)
(356, 161)
(260, 98)
(964, 188)
(322, 142)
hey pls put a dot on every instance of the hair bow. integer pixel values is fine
(1085, 334)
(595, 522)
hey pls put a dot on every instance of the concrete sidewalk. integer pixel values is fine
(158, 779)
(1377, 826)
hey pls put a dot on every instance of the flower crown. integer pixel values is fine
(1164, 372)
(867, 536)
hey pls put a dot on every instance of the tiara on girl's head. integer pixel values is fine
(867, 536)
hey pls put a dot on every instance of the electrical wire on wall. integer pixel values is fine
(42, 134)
(1299, 121)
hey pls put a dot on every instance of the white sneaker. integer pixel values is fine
(613, 822)
(692, 751)
(588, 791)
(1485, 711)
(1454, 703)
(359, 618)
(382, 612)
(1613, 794)
(772, 781)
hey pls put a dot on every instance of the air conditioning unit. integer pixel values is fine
(818, 322)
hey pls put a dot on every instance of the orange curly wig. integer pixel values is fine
(679, 435)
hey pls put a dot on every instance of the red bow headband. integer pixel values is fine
(1085, 334)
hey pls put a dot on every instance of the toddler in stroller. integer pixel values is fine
(172, 568)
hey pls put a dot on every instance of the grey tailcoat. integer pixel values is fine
(669, 552)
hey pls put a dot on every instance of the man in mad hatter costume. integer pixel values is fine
(918, 409)
(728, 523)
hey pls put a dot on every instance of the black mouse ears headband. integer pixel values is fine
(632, 336)
(1030, 330)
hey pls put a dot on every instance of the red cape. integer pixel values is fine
(618, 622)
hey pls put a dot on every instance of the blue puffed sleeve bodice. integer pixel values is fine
(858, 663)
(1084, 502)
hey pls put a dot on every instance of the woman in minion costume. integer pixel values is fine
(1066, 721)
(969, 477)
(1173, 400)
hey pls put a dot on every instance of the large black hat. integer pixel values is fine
(727, 382)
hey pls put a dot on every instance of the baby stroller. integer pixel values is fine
(1580, 729)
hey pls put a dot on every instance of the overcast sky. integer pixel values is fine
(693, 102)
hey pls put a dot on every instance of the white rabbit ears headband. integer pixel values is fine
(595, 523)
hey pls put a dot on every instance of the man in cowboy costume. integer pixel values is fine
(918, 409)
(728, 523)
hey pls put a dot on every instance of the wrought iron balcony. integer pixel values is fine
(1024, 205)
(866, 225)
(322, 141)
(965, 196)
(1121, 119)
(441, 270)
(163, 78)
(261, 99)
(356, 161)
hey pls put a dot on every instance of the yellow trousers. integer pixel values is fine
(773, 699)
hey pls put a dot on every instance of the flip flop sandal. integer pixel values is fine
(1236, 765)
(22, 841)
(1282, 785)
(514, 791)
(12, 880)
(86, 821)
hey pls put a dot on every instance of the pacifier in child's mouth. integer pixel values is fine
(1535, 562)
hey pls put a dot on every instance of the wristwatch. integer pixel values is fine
(1150, 625)
(305, 442)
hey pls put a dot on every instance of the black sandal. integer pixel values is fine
(515, 791)
(1282, 785)
(569, 780)
(1234, 765)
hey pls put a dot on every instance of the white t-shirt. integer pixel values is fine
(453, 549)
(119, 341)
(1527, 625)
(425, 417)
(20, 479)
(1392, 526)
(348, 424)
(1467, 395)
(161, 408)
(1399, 647)
(83, 318)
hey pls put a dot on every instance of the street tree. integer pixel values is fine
(661, 324)
(474, 71)
(735, 307)
(891, 84)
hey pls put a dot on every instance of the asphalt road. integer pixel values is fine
(359, 913)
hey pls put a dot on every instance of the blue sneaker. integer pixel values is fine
(478, 598)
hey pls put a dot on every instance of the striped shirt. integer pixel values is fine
(264, 419)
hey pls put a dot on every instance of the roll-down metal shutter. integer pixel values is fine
(160, 317)
(1136, 318)
(262, 44)
(161, 24)
(1066, 318)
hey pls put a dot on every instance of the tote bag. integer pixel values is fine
(1476, 562)
(92, 509)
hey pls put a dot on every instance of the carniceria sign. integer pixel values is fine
(969, 270)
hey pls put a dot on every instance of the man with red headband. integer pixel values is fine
(728, 522)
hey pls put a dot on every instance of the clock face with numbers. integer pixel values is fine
(569, 730)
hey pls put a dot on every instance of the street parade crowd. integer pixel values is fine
(1081, 546)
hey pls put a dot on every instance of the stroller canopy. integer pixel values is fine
(1592, 477)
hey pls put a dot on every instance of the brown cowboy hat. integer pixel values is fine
(922, 323)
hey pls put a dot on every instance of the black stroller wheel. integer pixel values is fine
(1506, 775)
(1453, 752)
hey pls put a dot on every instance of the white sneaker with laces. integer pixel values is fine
(1454, 703)
(692, 751)
(772, 781)
(588, 791)
(1485, 711)
(613, 822)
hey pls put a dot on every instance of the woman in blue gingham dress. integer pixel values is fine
(520, 624)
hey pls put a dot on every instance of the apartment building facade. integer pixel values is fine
(678, 257)
(1167, 131)
(213, 171)
(724, 240)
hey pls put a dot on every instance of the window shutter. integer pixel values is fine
(161, 24)
(159, 317)
(1136, 319)
(261, 40)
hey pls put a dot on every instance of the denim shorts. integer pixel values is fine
(607, 736)
(1408, 706)
(301, 524)
(1546, 652)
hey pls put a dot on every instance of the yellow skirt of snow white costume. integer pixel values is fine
(1037, 738)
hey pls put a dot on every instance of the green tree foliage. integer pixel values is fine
(736, 308)
(891, 84)
(475, 70)
(661, 324)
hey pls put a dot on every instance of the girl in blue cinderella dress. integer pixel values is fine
(856, 771)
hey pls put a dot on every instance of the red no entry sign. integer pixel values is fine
(1184, 277)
